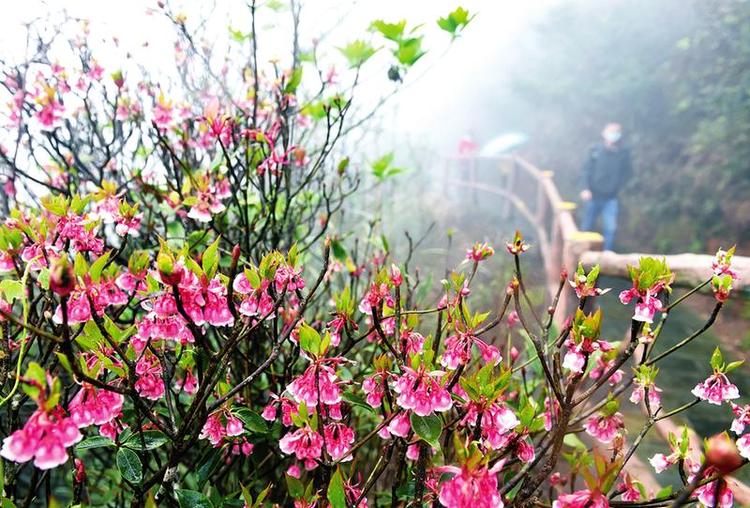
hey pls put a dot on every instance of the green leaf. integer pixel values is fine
(210, 261)
(409, 51)
(12, 290)
(357, 52)
(427, 427)
(574, 442)
(665, 492)
(80, 265)
(392, 31)
(309, 339)
(336, 493)
(252, 420)
(129, 465)
(295, 487)
(97, 266)
(717, 360)
(294, 81)
(150, 440)
(192, 499)
(339, 252)
(455, 21)
(208, 466)
(94, 442)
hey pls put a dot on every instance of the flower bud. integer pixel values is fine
(170, 274)
(722, 453)
(62, 279)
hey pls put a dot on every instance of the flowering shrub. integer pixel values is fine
(182, 324)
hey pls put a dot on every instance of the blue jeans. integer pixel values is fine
(608, 209)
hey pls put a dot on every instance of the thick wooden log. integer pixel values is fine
(690, 269)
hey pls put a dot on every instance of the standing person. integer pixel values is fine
(605, 172)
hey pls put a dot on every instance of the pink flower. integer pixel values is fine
(319, 378)
(629, 488)
(234, 426)
(706, 494)
(741, 417)
(654, 397)
(421, 392)
(304, 443)
(213, 430)
(602, 367)
(575, 357)
(475, 487)
(743, 446)
(149, 383)
(581, 499)
(458, 350)
(400, 425)
(288, 407)
(645, 309)
(497, 420)
(603, 427)
(188, 384)
(660, 462)
(288, 278)
(112, 428)
(44, 437)
(374, 387)
(722, 264)
(716, 389)
(479, 252)
(338, 441)
(94, 407)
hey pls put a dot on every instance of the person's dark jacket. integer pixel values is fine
(606, 171)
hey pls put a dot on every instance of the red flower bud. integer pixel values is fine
(722, 453)
(62, 279)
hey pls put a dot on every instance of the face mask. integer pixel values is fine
(612, 136)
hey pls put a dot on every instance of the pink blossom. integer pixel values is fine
(288, 407)
(400, 425)
(654, 397)
(44, 437)
(660, 462)
(317, 379)
(479, 252)
(338, 441)
(603, 427)
(581, 499)
(716, 389)
(304, 443)
(374, 387)
(603, 367)
(458, 350)
(92, 406)
(6, 262)
(288, 278)
(475, 487)
(149, 383)
(188, 384)
(213, 430)
(113, 428)
(422, 392)
(743, 446)
(741, 417)
(629, 489)
(575, 357)
(706, 494)
(497, 420)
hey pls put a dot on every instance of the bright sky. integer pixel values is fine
(435, 88)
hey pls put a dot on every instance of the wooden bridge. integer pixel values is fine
(532, 193)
